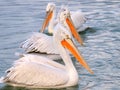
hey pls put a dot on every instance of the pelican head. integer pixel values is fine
(49, 14)
(63, 15)
(65, 19)
(50, 7)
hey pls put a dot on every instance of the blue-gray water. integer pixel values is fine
(18, 18)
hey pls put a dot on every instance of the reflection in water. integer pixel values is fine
(7, 87)
(89, 30)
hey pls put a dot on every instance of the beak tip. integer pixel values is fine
(82, 44)
(91, 71)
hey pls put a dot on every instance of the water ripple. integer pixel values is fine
(19, 18)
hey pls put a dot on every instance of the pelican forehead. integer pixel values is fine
(50, 6)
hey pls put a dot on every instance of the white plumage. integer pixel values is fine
(40, 42)
(31, 72)
(79, 19)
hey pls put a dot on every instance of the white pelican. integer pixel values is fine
(31, 71)
(42, 43)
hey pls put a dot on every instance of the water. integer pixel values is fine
(18, 18)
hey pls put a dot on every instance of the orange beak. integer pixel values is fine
(68, 44)
(46, 21)
(73, 30)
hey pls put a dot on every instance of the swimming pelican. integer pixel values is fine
(42, 43)
(30, 71)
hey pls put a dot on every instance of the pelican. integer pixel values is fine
(42, 43)
(30, 71)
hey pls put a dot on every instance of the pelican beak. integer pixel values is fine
(47, 19)
(73, 30)
(68, 44)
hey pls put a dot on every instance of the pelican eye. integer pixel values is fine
(64, 10)
(67, 36)
(47, 11)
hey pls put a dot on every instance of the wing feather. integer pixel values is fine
(39, 42)
(36, 74)
(38, 58)
(78, 18)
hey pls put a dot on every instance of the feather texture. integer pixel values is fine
(30, 72)
(78, 19)
(39, 42)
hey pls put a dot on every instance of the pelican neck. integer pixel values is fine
(52, 22)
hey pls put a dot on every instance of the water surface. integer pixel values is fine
(19, 18)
